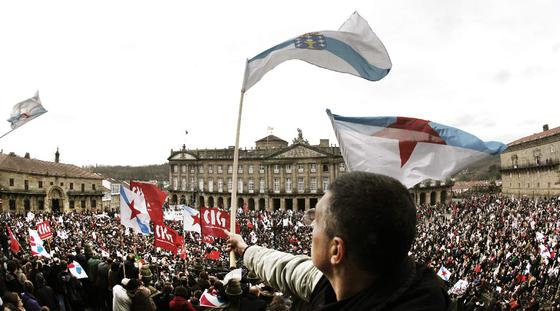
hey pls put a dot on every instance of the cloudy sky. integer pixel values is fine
(123, 80)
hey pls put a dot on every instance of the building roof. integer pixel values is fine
(536, 136)
(271, 138)
(13, 163)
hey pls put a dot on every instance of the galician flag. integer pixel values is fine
(353, 49)
(444, 274)
(191, 219)
(77, 270)
(26, 111)
(133, 212)
(408, 149)
(37, 248)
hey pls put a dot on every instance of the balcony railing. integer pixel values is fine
(548, 163)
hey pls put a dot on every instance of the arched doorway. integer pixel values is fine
(220, 202)
(312, 202)
(261, 204)
(289, 204)
(55, 199)
(433, 198)
(201, 201)
(240, 203)
(276, 204)
(210, 201)
(301, 205)
(174, 199)
(422, 198)
(228, 206)
(443, 196)
(183, 199)
(252, 204)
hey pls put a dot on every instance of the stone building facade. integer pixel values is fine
(530, 166)
(273, 175)
(33, 185)
(431, 192)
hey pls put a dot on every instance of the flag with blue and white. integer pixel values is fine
(353, 49)
(26, 111)
(133, 212)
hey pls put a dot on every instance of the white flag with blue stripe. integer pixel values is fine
(408, 149)
(26, 111)
(353, 49)
(133, 212)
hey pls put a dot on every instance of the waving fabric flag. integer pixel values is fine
(166, 238)
(77, 270)
(14, 244)
(133, 212)
(444, 274)
(191, 219)
(408, 149)
(154, 198)
(37, 248)
(353, 49)
(210, 300)
(26, 111)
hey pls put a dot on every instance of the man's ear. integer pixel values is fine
(337, 250)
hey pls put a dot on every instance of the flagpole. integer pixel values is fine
(233, 208)
(7, 133)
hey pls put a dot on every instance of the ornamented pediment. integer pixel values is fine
(183, 156)
(299, 152)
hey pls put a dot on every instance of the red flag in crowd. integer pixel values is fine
(166, 238)
(154, 197)
(14, 244)
(214, 221)
(44, 230)
(213, 255)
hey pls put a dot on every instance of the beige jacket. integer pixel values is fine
(295, 275)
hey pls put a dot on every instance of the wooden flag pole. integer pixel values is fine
(233, 208)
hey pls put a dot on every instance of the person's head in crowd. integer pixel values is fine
(28, 287)
(12, 300)
(181, 291)
(12, 266)
(146, 274)
(365, 222)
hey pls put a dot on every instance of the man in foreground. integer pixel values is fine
(363, 229)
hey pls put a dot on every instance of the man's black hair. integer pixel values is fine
(375, 216)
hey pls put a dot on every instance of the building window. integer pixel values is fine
(71, 204)
(62, 184)
(184, 184)
(115, 188)
(261, 185)
(251, 185)
(288, 168)
(342, 167)
(11, 182)
(200, 184)
(83, 187)
(325, 167)
(300, 185)
(83, 203)
(220, 169)
(229, 185)
(210, 184)
(250, 169)
(528, 185)
(276, 168)
(288, 185)
(220, 185)
(175, 183)
(201, 169)
(276, 185)
(40, 184)
(239, 185)
(538, 185)
(52, 183)
(300, 168)
(26, 184)
(210, 169)
(93, 203)
(41, 204)
(12, 204)
(313, 184)
(261, 168)
(26, 204)
(240, 169)
(191, 184)
(549, 185)
(325, 183)
(175, 169)
(93, 187)
(191, 167)
(71, 186)
(184, 168)
(229, 169)
(313, 168)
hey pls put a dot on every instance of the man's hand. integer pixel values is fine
(236, 243)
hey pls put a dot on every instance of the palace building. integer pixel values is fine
(530, 165)
(273, 175)
(33, 185)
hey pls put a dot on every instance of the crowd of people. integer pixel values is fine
(501, 254)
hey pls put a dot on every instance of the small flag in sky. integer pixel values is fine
(444, 274)
(353, 49)
(133, 212)
(14, 244)
(26, 111)
(37, 248)
(77, 270)
(408, 149)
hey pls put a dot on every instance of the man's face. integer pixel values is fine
(320, 239)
